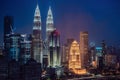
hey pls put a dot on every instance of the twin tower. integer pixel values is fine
(38, 51)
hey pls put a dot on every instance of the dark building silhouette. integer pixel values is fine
(51, 73)
(100, 63)
(8, 27)
(13, 70)
(3, 68)
(8, 24)
(31, 70)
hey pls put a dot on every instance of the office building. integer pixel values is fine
(25, 47)
(14, 50)
(84, 48)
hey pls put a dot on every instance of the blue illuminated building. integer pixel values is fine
(14, 51)
(25, 48)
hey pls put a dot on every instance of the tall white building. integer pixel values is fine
(49, 29)
(49, 24)
(36, 37)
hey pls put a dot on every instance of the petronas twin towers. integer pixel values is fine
(37, 42)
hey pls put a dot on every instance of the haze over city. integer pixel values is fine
(101, 18)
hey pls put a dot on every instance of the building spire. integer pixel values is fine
(49, 23)
(50, 16)
(37, 18)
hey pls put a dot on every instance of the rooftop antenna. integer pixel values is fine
(12, 29)
(12, 32)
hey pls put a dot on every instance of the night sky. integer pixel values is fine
(101, 18)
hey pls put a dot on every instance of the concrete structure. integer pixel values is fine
(84, 48)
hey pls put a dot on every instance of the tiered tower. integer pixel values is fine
(49, 24)
(36, 37)
(49, 30)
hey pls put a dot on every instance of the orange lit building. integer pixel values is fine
(74, 56)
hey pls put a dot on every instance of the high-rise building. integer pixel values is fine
(25, 48)
(66, 51)
(84, 48)
(49, 30)
(75, 59)
(36, 37)
(14, 50)
(49, 24)
(54, 49)
(74, 56)
(8, 29)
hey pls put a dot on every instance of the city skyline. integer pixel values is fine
(66, 39)
(99, 18)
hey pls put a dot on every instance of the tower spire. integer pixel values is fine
(49, 23)
(37, 18)
(50, 16)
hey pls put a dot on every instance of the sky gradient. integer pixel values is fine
(101, 18)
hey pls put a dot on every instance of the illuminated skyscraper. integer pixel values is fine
(54, 49)
(14, 50)
(8, 24)
(25, 48)
(49, 30)
(49, 24)
(84, 48)
(74, 56)
(36, 37)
